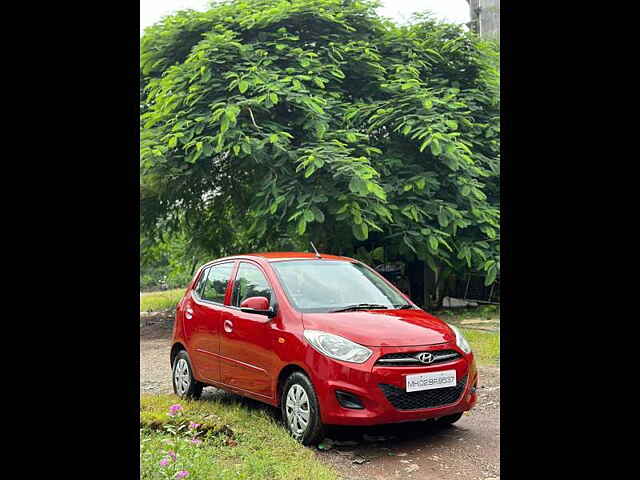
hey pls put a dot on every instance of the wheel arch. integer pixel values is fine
(284, 374)
(177, 347)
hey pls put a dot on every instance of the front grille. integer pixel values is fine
(438, 397)
(408, 359)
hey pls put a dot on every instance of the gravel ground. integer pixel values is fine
(468, 450)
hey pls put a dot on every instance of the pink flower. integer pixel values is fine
(174, 409)
(195, 441)
(193, 425)
(164, 462)
(172, 454)
(182, 474)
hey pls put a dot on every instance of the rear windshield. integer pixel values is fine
(328, 285)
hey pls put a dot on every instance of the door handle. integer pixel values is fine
(228, 326)
(188, 313)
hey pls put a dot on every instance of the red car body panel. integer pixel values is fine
(379, 328)
(249, 359)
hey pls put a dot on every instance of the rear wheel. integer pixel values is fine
(184, 385)
(300, 409)
(449, 419)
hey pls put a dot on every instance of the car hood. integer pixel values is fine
(382, 328)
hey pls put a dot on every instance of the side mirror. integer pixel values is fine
(258, 305)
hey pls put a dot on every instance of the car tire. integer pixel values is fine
(299, 403)
(449, 419)
(184, 385)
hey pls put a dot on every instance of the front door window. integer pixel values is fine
(250, 282)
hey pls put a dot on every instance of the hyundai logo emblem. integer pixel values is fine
(425, 357)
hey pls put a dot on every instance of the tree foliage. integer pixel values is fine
(268, 123)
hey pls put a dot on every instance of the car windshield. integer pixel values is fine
(329, 286)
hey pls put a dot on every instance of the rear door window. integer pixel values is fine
(214, 287)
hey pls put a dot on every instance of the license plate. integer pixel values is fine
(431, 380)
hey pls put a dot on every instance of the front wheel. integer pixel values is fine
(184, 385)
(300, 409)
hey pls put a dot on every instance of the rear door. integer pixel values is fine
(208, 299)
(246, 341)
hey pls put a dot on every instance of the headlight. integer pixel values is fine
(460, 340)
(337, 347)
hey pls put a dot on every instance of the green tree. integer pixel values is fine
(268, 123)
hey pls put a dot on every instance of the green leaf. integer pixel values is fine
(491, 275)
(436, 149)
(376, 190)
(302, 225)
(358, 185)
(309, 216)
(433, 242)
(378, 254)
(360, 231)
(243, 85)
(488, 264)
(426, 143)
(443, 218)
(313, 106)
(319, 216)
(273, 97)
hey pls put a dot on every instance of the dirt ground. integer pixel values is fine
(468, 450)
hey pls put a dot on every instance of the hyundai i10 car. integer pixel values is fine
(325, 338)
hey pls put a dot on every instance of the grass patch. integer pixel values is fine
(156, 301)
(239, 439)
(485, 346)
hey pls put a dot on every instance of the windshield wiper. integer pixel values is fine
(360, 306)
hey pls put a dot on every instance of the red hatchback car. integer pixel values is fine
(325, 338)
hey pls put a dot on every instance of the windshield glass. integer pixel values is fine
(329, 285)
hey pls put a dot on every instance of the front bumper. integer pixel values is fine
(365, 380)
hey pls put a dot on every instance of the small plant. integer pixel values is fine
(217, 440)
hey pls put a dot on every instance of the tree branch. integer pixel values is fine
(253, 120)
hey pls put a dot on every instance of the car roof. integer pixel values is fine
(276, 256)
